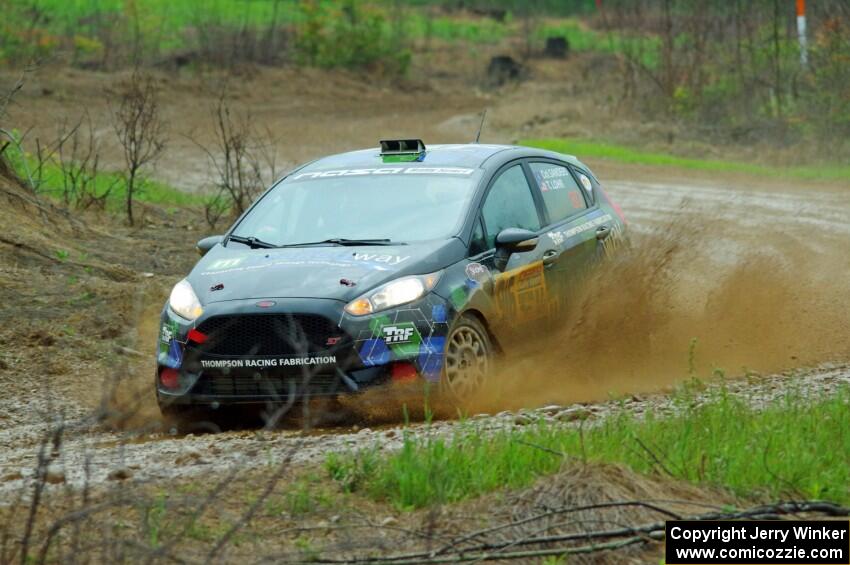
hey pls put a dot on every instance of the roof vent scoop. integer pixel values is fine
(402, 147)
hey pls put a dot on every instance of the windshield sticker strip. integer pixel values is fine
(457, 171)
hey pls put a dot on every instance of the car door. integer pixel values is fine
(574, 231)
(519, 291)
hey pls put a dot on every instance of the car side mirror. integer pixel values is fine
(510, 241)
(207, 243)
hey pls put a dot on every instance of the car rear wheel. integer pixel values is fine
(468, 358)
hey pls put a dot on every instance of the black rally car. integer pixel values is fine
(391, 264)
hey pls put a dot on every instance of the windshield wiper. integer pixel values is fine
(252, 241)
(345, 242)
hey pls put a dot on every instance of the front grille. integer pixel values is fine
(267, 334)
(279, 387)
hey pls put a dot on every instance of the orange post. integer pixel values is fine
(801, 31)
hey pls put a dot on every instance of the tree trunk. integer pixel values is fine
(131, 181)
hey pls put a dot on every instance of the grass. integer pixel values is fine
(170, 15)
(160, 24)
(792, 447)
(302, 497)
(164, 22)
(150, 191)
(584, 39)
(601, 150)
(453, 29)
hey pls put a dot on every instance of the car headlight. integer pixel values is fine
(394, 293)
(184, 301)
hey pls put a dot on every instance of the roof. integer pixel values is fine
(471, 155)
(453, 155)
(449, 155)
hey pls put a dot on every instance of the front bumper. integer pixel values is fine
(280, 350)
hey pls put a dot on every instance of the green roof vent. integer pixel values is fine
(402, 147)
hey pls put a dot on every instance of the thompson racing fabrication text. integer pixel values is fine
(261, 363)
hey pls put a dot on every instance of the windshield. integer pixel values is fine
(400, 206)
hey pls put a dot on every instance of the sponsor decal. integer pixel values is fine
(267, 363)
(521, 293)
(558, 237)
(585, 182)
(588, 225)
(168, 332)
(224, 264)
(477, 272)
(400, 333)
(376, 258)
(402, 338)
(457, 171)
(170, 349)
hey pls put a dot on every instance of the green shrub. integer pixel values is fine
(351, 34)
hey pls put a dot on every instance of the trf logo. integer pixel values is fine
(398, 334)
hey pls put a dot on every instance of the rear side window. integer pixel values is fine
(509, 204)
(561, 194)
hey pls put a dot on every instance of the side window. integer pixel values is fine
(478, 244)
(561, 194)
(509, 204)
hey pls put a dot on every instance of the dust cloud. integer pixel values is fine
(128, 398)
(672, 307)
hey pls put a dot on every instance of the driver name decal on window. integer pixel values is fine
(458, 171)
(551, 178)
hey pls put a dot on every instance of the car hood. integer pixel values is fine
(236, 272)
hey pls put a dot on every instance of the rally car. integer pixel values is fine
(396, 264)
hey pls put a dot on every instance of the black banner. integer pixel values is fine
(764, 542)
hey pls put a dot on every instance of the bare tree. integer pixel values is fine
(7, 135)
(78, 157)
(239, 157)
(140, 129)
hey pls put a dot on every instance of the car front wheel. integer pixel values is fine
(468, 358)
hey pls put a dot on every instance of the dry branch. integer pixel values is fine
(619, 538)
